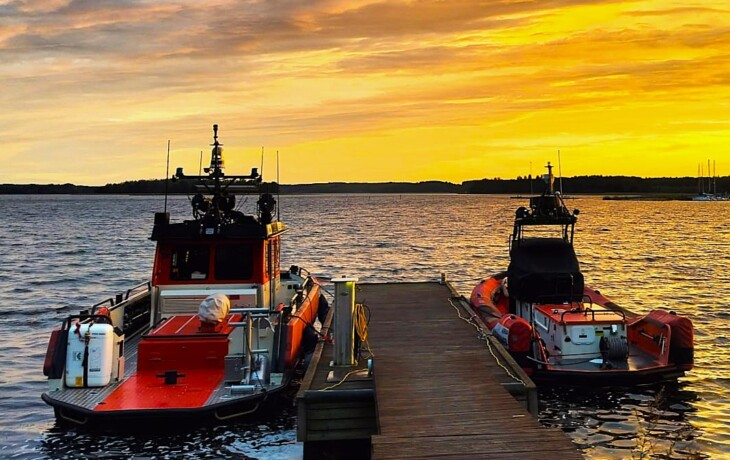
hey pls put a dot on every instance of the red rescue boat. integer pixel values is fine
(557, 328)
(217, 332)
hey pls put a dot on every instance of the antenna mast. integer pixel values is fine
(560, 172)
(549, 180)
(278, 188)
(167, 172)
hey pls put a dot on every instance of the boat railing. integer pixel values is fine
(83, 318)
(128, 310)
(299, 295)
(250, 310)
(588, 298)
(116, 301)
(593, 313)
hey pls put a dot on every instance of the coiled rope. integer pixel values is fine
(361, 321)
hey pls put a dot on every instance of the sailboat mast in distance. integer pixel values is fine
(699, 181)
(702, 179)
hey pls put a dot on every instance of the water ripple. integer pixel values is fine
(68, 252)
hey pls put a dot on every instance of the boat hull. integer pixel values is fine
(225, 412)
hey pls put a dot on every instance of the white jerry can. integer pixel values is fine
(100, 357)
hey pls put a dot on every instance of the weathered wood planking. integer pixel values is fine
(436, 391)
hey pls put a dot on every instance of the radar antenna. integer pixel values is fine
(219, 208)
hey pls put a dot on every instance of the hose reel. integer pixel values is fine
(614, 349)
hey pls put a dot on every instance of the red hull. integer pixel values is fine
(660, 343)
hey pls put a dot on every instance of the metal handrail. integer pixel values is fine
(249, 310)
(121, 298)
(147, 284)
(593, 313)
(82, 317)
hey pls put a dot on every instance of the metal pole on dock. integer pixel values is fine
(344, 351)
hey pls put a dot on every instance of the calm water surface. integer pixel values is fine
(61, 253)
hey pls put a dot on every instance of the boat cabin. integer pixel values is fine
(543, 266)
(241, 260)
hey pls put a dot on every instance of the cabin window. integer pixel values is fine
(234, 262)
(189, 263)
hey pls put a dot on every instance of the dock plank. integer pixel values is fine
(436, 393)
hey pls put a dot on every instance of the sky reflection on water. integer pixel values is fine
(68, 252)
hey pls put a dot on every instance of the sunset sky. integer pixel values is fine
(363, 90)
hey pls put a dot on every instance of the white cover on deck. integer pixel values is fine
(214, 308)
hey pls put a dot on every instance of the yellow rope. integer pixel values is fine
(484, 335)
(341, 381)
(361, 328)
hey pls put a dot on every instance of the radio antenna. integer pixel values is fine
(278, 188)
(167, 172)
(560, 172)
(262, 161)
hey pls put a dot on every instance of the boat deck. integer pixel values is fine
(438, 391)
(199, 389)
(89, 398)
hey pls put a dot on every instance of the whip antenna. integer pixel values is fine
(167, 172)
(560, 173)
(278, 188)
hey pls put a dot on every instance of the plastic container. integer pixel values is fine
(98, 365)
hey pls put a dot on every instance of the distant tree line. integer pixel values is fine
(597, 185)
(188, 187)
(521, 185)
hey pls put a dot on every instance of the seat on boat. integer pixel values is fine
(544, 270)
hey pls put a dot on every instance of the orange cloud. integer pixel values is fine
(427, 90)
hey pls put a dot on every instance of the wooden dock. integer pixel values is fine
(437, 391)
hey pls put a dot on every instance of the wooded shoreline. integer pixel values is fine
(616, 185)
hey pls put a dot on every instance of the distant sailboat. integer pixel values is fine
(711, 194)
